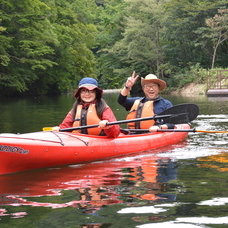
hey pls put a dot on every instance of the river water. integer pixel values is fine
(183, 185)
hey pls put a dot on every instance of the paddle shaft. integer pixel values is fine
(174, 130)
(122, 122)
(179, 114)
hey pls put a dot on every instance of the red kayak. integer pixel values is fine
(45, 149)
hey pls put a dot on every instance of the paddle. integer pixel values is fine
(177, 114)
(159, 117)
(191, 110)
(173, 130)
(115, 122)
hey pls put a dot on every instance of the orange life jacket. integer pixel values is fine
(87, 117)
(141, 110)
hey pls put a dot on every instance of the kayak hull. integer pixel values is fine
(20, 152)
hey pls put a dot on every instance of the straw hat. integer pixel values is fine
(88, 83)
(153, 78)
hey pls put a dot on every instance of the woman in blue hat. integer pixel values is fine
(90, 109)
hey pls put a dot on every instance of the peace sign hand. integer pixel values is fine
(131, 80)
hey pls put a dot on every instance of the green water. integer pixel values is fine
(183, 185)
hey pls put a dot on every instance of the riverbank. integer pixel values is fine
(192, 88)
(112, 90)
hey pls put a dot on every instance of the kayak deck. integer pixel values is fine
(27, 151)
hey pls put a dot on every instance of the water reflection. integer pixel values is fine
(218, 162)
(92, 186)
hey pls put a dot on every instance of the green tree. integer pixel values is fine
(30, 34)
(136, 41)
(142, 40)
(5, 43)
(49, 45)
(74, 25)
(185, 32)
(218, 30)
(110, 23)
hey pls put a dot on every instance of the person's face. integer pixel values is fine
(87, 95)
(151, 90)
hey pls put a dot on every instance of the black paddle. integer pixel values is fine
(191, 112)
(177, 114)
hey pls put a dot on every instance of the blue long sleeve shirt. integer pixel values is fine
(160, 104)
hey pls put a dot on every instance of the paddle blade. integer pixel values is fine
(183, 113)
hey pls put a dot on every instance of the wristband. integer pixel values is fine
(126, 87)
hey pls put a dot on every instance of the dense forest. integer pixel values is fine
(47, 46)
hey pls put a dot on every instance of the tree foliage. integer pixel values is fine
(219, 30)
(47, 46)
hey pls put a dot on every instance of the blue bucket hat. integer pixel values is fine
(88, 83)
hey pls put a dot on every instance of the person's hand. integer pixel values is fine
(103, 124)
(55, 128)
(131, 80)
(154, 128)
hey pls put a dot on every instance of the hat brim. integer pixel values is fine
(161, 83)
(89, 87)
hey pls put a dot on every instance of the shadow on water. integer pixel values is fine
(183, 185)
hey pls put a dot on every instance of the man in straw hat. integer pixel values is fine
(149, 105)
